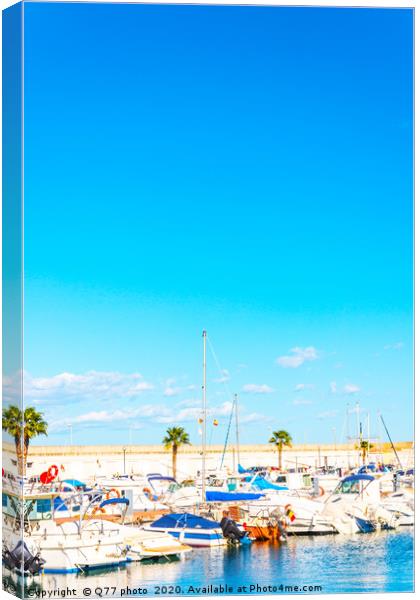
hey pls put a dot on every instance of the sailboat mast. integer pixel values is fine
(348, 436)
(368, 436)
(204, 436)
(238, 458)
(358, 433)
(392, 443)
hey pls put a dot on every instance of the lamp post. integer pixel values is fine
(124, 451)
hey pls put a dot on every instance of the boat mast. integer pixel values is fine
(203, 448)
(392, 443)
(358, 433)
(238, 458)
(368, 436)
(348, 436)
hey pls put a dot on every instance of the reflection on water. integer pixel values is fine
(363, 563)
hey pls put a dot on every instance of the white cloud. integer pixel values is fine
(396, 346)
(253, 388)
(183, 415)
(297, 356)
(253, 418)
(299, 387)
(328, 414)
(190, 402)
(193, 413)
(171, 391)
(224, 377)
(148, 414)
(351, 388)
(333, 387)
(89, 386)
(146, 411)
(102, 398)
(301, 402)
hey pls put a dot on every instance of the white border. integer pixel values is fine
(320, 3)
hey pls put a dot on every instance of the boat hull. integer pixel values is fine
(196, 538)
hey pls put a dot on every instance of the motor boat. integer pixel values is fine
(145, 504)
(54, 545)
(356, 506)
(173, 494)
(67, 533)
(190, 529)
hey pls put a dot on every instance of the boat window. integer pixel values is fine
(43, 505)
(281, 479)
(173, 487)
(4, 499)
(349, 487)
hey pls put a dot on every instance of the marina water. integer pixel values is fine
(377, 562)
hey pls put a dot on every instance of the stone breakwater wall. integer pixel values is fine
(84, 462)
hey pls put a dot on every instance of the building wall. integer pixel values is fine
(83, 462)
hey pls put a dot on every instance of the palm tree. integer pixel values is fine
(174, 438)
(23, 426)
(280, 438)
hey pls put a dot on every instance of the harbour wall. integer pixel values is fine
(85, 462)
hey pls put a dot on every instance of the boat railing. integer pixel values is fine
(98, 502)
(81, 502)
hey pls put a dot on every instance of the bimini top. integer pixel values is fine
(182, 520)
(160, 478)
(241, 470)
(263, 484)
(125, 501)
(230, 496)
(75, 482)
(358, 477)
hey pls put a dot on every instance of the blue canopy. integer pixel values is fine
(230, 496)
(358, 477)
(366, 468)
(75, 482)
(181, 520)
(241, 470)
(114, 501)
(263, 484)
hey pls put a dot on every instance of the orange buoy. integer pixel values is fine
(113, 491)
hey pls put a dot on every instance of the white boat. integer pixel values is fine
(145, 504)
(172, 494)
(306, 520)
(356, 506)
(63, 534)
(401, 504)
(144, 545)
(55, 545)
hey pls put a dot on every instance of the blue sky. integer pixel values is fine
(245, 170)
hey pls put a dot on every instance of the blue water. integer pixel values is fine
(377, 562)
(363, 563)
